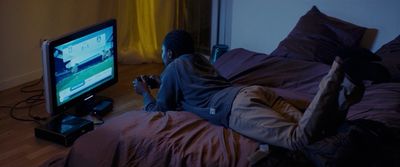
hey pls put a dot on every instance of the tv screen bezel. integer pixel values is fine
(49, 67)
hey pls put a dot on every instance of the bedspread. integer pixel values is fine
(174, 138)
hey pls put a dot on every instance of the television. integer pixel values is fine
(78, 65)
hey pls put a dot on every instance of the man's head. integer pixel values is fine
(176, 43)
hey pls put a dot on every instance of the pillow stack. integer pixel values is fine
(319, 38)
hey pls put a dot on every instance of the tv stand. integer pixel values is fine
(95, 105)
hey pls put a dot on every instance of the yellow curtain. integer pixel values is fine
(142, 25)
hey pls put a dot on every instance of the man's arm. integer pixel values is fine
(168, 94)
(148, 101)
(142, 89)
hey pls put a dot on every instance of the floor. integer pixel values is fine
(18, 145)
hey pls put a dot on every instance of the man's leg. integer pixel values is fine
(258, 113)
(329, 107)
(253, 116)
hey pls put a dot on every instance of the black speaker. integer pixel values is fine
(217, 51)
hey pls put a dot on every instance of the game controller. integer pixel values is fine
(151, 82)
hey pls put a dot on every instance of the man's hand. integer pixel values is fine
(140, 86)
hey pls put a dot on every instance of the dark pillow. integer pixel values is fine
(390, 54)
(318, 37)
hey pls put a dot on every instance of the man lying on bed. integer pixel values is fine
(190, 83)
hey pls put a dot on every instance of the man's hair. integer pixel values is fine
(179, 42)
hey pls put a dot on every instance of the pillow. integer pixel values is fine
(318, 37)
(390, 54)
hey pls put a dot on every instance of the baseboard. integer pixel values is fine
(20, 79)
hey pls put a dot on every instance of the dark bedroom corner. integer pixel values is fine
(200, 83)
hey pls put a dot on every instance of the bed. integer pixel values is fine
(370, 136)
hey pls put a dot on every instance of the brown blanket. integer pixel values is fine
(140, 138)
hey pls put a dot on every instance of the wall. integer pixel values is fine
(260, 25)
(25, 22)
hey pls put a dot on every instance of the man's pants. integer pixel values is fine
(260, 114)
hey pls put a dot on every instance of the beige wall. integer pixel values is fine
(25, 22)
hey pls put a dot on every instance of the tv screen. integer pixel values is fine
(78, 65)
